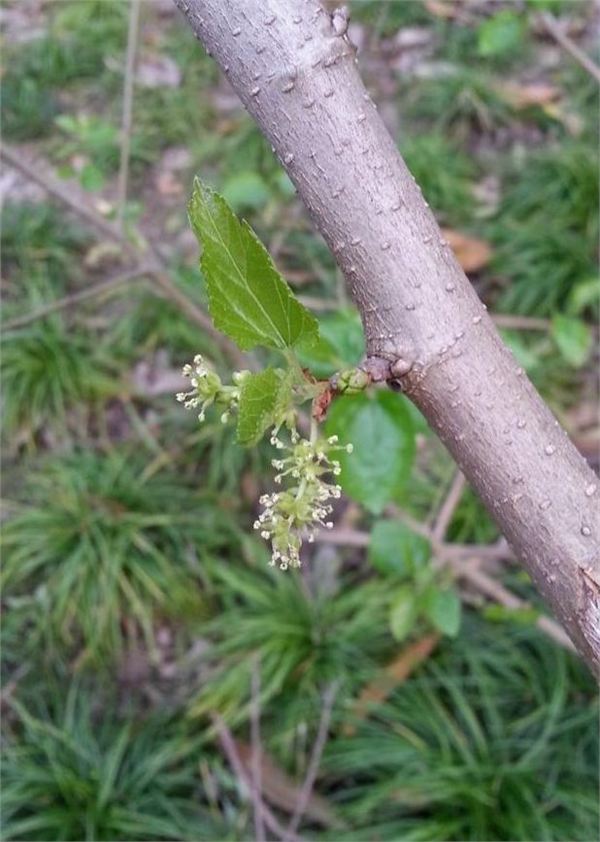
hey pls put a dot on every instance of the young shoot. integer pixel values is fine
(306, 467)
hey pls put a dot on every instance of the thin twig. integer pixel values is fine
(510, 322)
(196, 314)
(72, 196)
(464, 561)
(126, 124)
(502, 320)
(38, 171)
(10, 687)
(490, 587)
(420, 528)
(448, 507)
(107, 286)
(348, 537)
(315, 758)
(343, 536)
(498, 551)
(315, 303)
(231, 753)
(256, 754)
(556, 31)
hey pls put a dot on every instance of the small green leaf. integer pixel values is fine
(523, 354)
(583, 295)
(91, 178)
(403, 612)
(573, 338)
(552, 5)
(500, 34)
(262, 396)
(284, 184)
(443, 609)
(248, 299)
(246, 190)
(341, 344)
(525, 616)
(395, 549)
(380, 428)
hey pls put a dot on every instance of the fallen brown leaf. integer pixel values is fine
(395, 673)
(472, 254)
(442, 9)
(525, 95)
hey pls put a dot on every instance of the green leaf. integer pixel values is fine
(263, 396)
(583, 295)
(573, 338)
(248, 299)
(443, 609)
(246, 190)
(500, 34)
(397, 550)
(91, 178)
(284, 184)
(552, 5)
(525, 616)
(403, 612)
(380, 428)
(523, 354)
(341, 344)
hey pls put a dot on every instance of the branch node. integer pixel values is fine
(339, 20)
(377, 368)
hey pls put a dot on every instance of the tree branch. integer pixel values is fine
(294, 69)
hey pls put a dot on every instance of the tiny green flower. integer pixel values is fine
(298, 511)
(208, 389)
(304, 466)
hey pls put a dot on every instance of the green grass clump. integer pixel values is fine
(303, 642)
(460, 103)
(48, 371)
(546, 230)
(75, 770)
(81, 37)
(36, 237)
(107, 543)
(166, 116)
(150, 323)
(444, 174)
(495, 738)
(52, 371)
(386, 18)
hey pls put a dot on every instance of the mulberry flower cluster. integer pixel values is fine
(298, 511)
(208, 389)
(304, 466)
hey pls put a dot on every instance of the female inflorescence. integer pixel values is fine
(304, 466)
(305, 505)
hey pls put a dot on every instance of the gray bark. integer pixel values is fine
(295, 71)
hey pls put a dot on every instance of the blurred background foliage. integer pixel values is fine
(137, 603)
